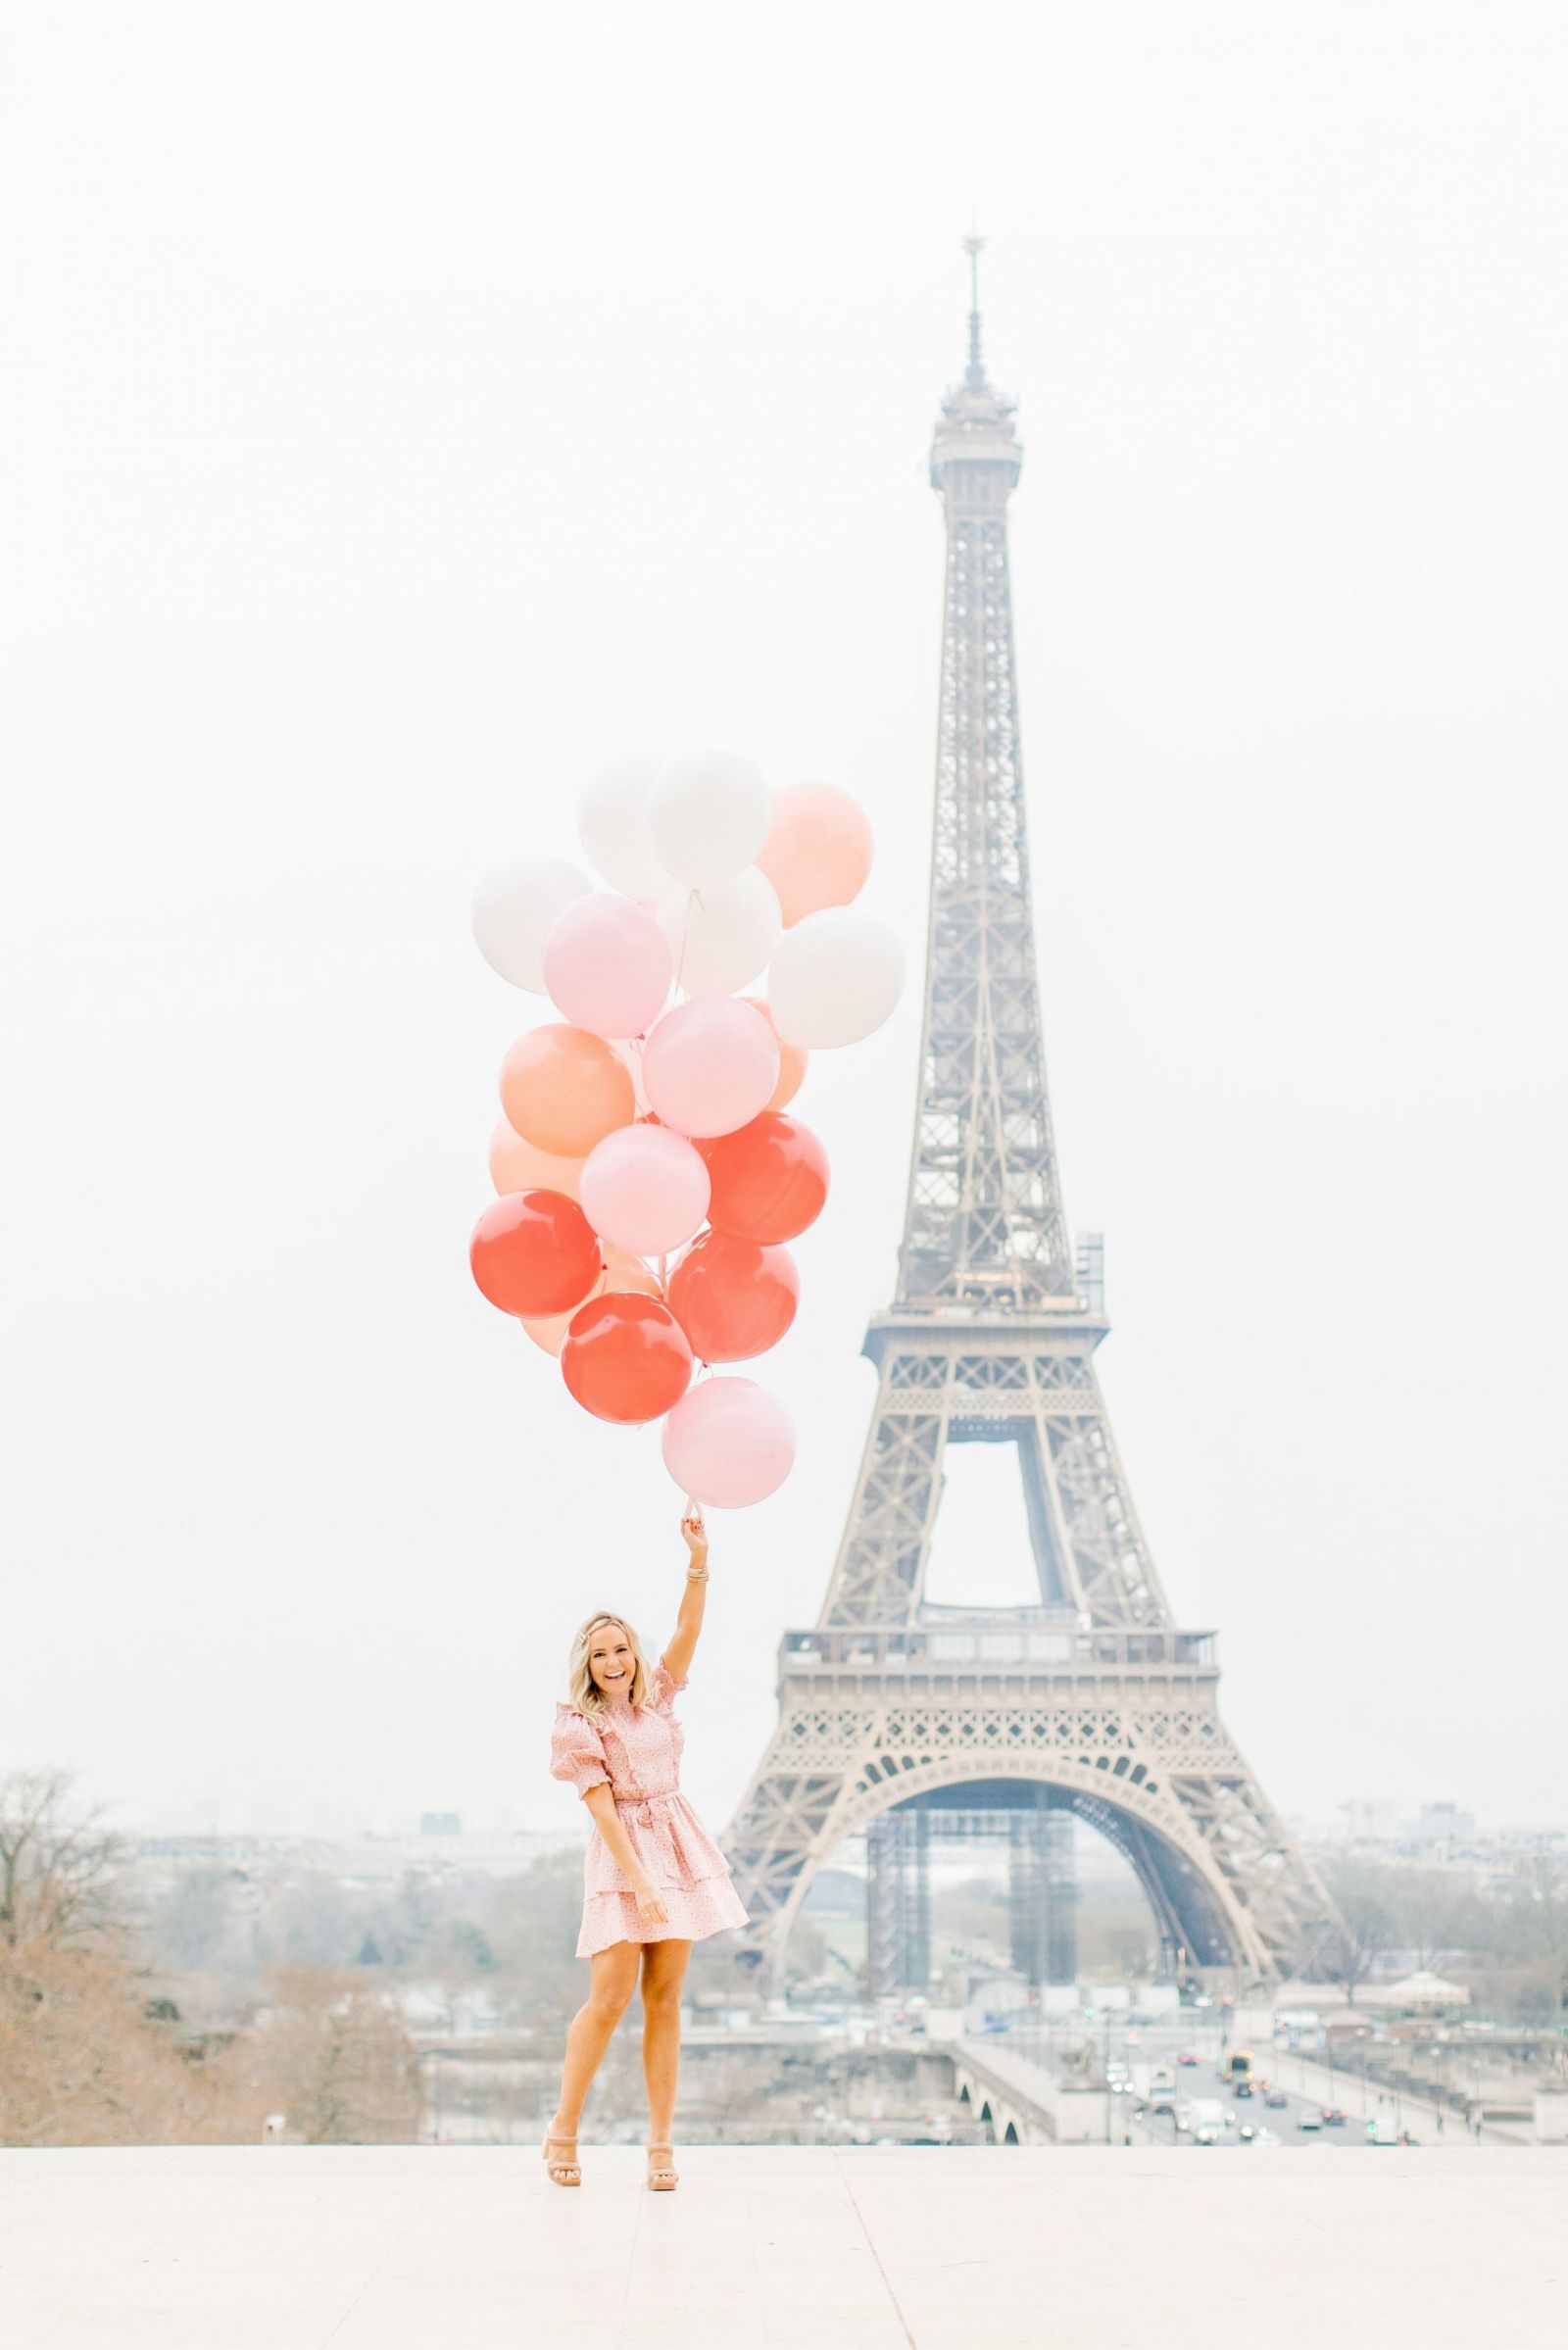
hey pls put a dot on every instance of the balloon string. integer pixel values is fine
(694, 898)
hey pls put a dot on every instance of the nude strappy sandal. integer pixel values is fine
(562, 2173)
(662, 2177)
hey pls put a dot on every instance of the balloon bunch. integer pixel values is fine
(648, 1172)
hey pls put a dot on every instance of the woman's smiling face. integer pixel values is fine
(610, 1661)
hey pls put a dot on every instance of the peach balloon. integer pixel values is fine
(792, 1060)
(819, 849)
(622, 1276)
(563, 1090)
(709, 1066)
(516, 1166)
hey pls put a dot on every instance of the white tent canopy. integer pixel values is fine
(1420, 1989)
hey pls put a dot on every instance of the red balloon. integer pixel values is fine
(769, 1180)
(733, 1299)
(625, 1357)
(534, 1252)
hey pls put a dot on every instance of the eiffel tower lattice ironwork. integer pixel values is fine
(1096, 1702)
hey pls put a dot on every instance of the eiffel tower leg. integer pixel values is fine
(898, 1889)
(881, 1903)
(1043, 1894)
(919, 1961)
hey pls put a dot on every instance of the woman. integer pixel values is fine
(654, 1880)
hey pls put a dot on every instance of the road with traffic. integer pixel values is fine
(1128, 2055)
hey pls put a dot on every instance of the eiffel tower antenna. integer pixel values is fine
(911, 1720)
(974, 246)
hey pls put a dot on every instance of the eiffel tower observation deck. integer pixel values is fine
(912, 1722)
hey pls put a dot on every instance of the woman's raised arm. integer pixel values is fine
(689, 1623)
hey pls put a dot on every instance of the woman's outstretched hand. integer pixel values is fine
(695, 1534)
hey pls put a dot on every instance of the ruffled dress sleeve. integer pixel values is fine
(662, 1687)
(578, 1751)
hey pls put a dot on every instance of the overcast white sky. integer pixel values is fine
(407, 407)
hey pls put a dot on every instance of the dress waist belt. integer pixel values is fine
(642, 1806)
(653, 1813)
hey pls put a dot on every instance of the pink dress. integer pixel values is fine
(636, 1752)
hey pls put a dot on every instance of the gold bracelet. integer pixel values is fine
(697, 1574)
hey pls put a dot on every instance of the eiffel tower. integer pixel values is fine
(909, 1721)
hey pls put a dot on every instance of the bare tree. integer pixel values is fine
(336, 2058)
(1365, 1931)
(57, 1863)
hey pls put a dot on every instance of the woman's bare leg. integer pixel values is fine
(664, 1974)
(611, 1983)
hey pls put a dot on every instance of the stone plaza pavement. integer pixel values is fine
(389, 2248)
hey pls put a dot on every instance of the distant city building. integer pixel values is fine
(440, 1822)
(1379, 1819)
(1445, 1824)
(161, 1859)
(1369, 1820)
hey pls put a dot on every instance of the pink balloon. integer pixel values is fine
(728, 1442)
(644, 1189)
(607, 965)
(819, 849)
(709, 1066)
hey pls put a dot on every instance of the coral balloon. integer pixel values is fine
(534, 1252)
(644, 1189)
(721, 938)
(563, 1090)
(733, 1300)
(621, 1275)
(709, 1066)
(612, 826)
(792, 1060)
(607, 965)
(819, 849)
(516, 1166)
(728, 1442)
(709, 814)
(514, 908)
(768, 1181)
(626, 1358)
(836, 977)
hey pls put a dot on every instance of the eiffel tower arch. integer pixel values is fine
(897, 1716)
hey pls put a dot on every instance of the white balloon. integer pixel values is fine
(513, 906)
(836, 977)
(709, 814)
(612, 826)
(721, 937)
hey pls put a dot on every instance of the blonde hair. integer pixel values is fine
(581, 1690)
